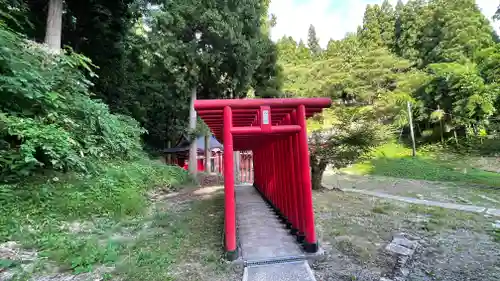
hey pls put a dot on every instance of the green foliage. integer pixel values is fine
(342, 139)
(80, 254)
(458, 90)
(379, 25)
(220, 52)
(441, 31)
(488, 61)
(410, 23)
(114, 189)
(496, 234)
(268, 77)
(461, 28)
(371, 33)
(344, 135)
(353, 74)
(434, 54)
(47, 118)
(13, 13)
(387, 19)
(149, 58)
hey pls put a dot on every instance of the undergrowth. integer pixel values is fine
(39, 214)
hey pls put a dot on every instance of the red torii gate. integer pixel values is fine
(275, 131)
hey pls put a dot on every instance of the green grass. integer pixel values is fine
(382, 208)
(496, 234)
(394, 160)
(113, 199)
(185, 245)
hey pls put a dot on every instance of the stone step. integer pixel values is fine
(292, 271)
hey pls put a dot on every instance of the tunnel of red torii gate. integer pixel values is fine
(275, 131)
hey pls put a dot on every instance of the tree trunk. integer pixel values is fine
(317, 170)
(441, 130)
(237, 172)
(54, 25)
(169, 156)
(193, 149)
(208, 154)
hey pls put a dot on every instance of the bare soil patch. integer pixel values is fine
(355, 230)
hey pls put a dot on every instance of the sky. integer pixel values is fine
(332, 18)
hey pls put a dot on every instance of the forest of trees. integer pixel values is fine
(127, 70)
(125, 73)
(442, 56)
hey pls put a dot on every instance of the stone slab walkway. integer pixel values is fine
(279, 272)
(452, 206)
(268, 250)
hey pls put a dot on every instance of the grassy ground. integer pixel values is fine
(356, 228)
(394, 160)
(441, 176)
(130, 221)
(451, 192)
(182, 242)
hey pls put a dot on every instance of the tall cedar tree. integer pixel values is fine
(313, 41)
(455, 32)
(387, 21)
(371, 33)
(398, 11)
(413, 18)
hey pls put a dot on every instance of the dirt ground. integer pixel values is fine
(355, 229)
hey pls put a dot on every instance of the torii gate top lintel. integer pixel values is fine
(275, 130)
(253, 117)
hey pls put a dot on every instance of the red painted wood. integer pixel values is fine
(274, 130)
(229, 200)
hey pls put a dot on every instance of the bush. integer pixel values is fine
(47, 117)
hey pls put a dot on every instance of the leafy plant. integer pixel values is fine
(341, 139)
(48, 119)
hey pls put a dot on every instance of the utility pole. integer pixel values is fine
(414, 149)
(193, 149)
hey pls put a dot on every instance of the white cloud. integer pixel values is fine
(331, 18)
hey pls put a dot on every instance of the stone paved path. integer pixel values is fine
(268, 250)
(452, 206)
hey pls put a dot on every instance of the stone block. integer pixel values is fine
(399, 250)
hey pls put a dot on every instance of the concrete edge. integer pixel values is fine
(245, 274)
(493, 212)
(309, 271)
(310, 258)
(411, 200)
(306, 266)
